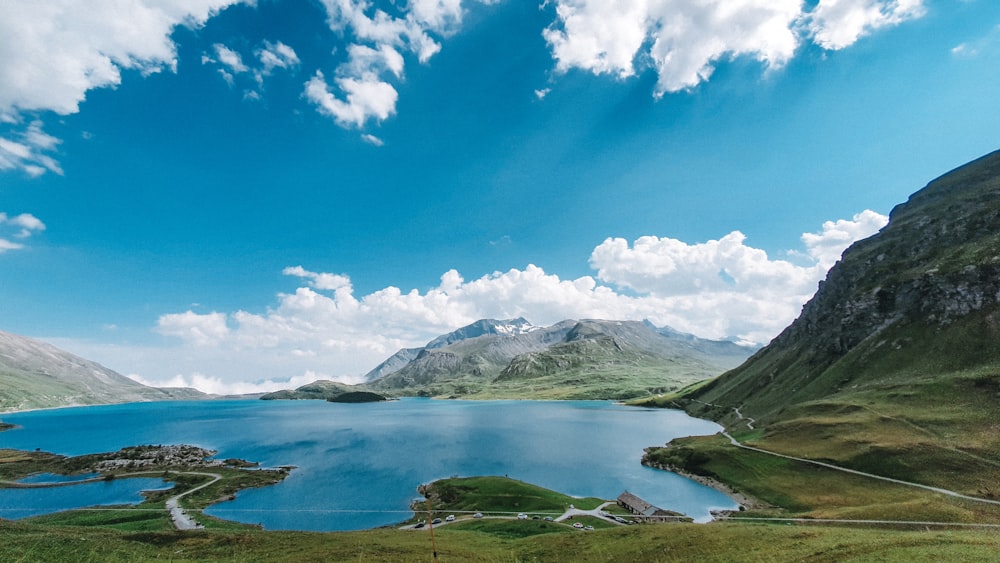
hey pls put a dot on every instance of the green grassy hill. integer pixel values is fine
(894, 366)
(34, 374)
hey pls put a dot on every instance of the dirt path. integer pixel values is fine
(954, 494)
(180, 518)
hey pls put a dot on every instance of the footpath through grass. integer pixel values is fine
(796, 489)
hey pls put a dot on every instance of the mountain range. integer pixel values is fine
(34, 374)
(586, 359)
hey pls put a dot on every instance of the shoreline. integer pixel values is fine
(746, 502)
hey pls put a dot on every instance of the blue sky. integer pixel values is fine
(215, 192)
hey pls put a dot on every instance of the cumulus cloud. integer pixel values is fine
(683, 40)
(52, 53)
(361, 89)
(17, 227)
(365, 98)
(721, 288)
(826, 246)
(202, 330)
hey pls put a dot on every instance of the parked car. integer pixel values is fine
(477, 515)
(588, 528)
(577, 525)
(436, 521)
(450, 518)
(522, 516)
(548, 518)
(418, 525)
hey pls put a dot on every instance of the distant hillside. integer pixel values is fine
(894, 366)
(34, 375)
(588, 359)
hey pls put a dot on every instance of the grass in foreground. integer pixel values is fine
(679, 542)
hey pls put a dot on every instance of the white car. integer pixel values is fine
(450, 518)
(577, 525)
(522, 516)
(477, 515)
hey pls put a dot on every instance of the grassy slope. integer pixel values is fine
(926, 411)
(800, 490)
(894, 366)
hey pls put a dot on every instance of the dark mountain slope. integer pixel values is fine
(894, 365)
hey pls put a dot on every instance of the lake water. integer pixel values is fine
(22, 503)
(358, 465)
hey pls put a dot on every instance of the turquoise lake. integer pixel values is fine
(359, 465)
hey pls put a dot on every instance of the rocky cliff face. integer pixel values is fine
(936, 262)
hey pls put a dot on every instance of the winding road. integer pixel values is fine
(181, 519)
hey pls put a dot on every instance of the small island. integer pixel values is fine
(330, 391)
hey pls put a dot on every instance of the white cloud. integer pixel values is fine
(360, 91)
(365, 98)
(19, 227)
(53, 52)
(202, 330)
(6, 245)
(28, 150)
(827, 246)
(835, 24)
(216, 386)
(276, 55)
(684, 39)
(266, 59)
(716, 289)
(231, 59)
(372, 140)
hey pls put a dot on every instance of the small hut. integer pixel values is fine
(642, 509)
